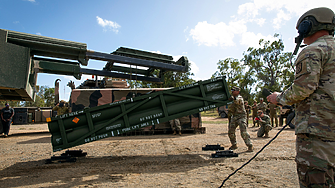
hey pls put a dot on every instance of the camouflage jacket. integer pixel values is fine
(273, 108)
(254, 110)
(237, 107)
(61, 110)
(262, 106)
(265, 120)
(247, 108)
(313, 90)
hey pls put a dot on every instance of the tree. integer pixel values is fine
(11, 103)
(230, 68)
(269, 64)
(236, 75)
(45, 97)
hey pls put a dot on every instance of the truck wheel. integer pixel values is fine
(223, 115)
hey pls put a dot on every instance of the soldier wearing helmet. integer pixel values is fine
(313, 93)
(61, 108)
(239, 118)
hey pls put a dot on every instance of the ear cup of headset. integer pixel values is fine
(304, 28)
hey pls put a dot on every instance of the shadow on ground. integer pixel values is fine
(90, 170)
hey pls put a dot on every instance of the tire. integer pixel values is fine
(223, 115)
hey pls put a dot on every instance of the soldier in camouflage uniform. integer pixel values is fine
(61, 108)
(262, 105)
(273, 114)
(313, 93)
(239, 117)
(264, 120)
(229, 114)
(247, 109)
(175, 124)
(254, 114)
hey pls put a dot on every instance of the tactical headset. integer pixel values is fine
(304, 28)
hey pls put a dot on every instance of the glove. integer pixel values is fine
(257, 119)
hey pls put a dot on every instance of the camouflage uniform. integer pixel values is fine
(238, 119)
(313, 92)
(175, 123)
(262, 106)
(265, 125)
(61, 110)
(229, 114)
(254, 114)
(273, 114)
(247, 109)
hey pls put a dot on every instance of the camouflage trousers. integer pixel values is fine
(264, 129)
(175, 124)
(241, 122)
(315, 161)
(274, 116)
(253, 120)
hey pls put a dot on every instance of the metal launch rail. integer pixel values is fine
(116, 118)
(24, 55)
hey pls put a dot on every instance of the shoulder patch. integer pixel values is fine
(298, 68)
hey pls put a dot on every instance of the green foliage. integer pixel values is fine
(45, 98)
(11, 103)
(264, 67)
(269, 64)
(236, 75)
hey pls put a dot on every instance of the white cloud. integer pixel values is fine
(33, 1)
(107, 24)
(281, 15)
(283, 10)
(38, 33)
(218, 34)
(278, 13)
(260, 21)
(250, 39)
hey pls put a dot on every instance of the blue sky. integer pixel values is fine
(203, 31)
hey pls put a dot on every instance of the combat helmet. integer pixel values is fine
(315, 20)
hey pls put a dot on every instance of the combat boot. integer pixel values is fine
(250, 148)
(233, 147)
(266, 135)
(174, 132)
(179, 133)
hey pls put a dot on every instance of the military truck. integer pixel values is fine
(223, 111)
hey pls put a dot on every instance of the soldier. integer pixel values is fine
(229, 115)
(175, 123)
(264, 120)
(239, 116)
(273, 114)
(254, 113)
(262, 105)
(313, 93)
(7, 114)
(61, 108)
(247, 109)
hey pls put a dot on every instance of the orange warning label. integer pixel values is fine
(75, 120)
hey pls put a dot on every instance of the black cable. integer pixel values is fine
(252, 158)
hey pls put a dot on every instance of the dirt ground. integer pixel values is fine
(147, 161)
